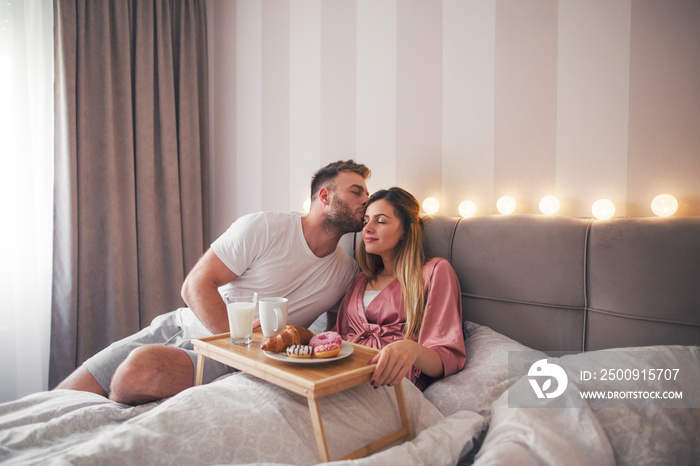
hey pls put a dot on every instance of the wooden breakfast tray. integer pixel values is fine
(312, 381)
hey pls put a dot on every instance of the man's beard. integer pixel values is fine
(342, 219)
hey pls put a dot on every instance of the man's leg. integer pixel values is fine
(101, 367)
(82, 379)
(150, 373)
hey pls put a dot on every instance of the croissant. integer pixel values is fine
(292, 335)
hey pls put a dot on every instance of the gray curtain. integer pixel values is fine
(131, 148)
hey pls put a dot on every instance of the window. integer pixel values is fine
(26, 194)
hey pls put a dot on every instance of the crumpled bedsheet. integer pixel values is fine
(236, 420)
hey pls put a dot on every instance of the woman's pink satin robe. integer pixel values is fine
(385, 318)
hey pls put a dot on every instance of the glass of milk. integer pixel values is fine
(240, 305)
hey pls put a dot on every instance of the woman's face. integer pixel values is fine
(382, 230)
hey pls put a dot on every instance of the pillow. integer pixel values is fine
(484, 377)
(543, 435)
(574, 429)
(647, 431)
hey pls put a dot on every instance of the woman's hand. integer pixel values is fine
(395, 361)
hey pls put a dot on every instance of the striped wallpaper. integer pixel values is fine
(457, 99)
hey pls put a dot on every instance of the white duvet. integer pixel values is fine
(235, 420)
(462, 419)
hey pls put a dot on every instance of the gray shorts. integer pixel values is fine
(169, 329)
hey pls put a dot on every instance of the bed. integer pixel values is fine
(583, 302)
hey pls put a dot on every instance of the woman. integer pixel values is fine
(401, 304)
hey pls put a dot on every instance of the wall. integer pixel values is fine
(584, 99)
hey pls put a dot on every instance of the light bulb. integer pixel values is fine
(307, 205)
(664, 205)
(467, 209)
(506, 205)
(431, 205)
(603, 209)
(549, 205)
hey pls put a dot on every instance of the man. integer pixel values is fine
(271, 253)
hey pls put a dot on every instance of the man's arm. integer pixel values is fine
(200, 291)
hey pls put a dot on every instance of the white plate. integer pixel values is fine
(346, 350)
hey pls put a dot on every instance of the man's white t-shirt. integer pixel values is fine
(268, 252)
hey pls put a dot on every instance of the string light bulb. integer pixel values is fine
(467, 209)
(549, 205)
(431, 205)
(603, 209)
(307, 205)
(664, 205)
(506, 205)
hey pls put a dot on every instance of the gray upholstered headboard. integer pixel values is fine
(566, 284)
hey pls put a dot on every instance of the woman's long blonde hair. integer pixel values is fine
(410, 256)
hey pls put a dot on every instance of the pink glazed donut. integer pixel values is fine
(326, 344)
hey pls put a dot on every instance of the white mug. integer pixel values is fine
(273, 315)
